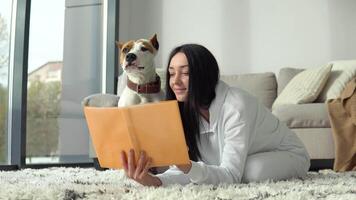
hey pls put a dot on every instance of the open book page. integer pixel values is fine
(155, 128)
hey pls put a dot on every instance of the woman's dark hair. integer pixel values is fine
(203, 78)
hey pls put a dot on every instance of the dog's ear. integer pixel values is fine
(119, 44)
(154, 41)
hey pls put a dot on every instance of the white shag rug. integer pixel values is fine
(87, 183)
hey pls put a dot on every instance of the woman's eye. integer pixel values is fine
(144, 49)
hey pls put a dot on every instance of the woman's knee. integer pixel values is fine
(254, 170)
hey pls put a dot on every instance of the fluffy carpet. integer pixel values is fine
(78, 183)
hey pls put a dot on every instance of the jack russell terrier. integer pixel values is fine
(143, 84)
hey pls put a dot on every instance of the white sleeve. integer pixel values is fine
(236, 138)
(173, 176)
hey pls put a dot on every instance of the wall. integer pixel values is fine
(247, 35)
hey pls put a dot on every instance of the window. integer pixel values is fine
(60, 46)
(45, 55)
(63, 69)
(5, 24)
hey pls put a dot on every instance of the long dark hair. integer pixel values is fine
(203, 78)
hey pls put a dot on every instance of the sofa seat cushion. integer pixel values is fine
(261, 85)
(312, 115)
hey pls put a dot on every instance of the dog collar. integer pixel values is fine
(148, 88)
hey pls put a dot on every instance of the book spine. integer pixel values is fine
(131, 131)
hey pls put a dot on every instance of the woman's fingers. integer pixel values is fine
(138, 172)
(131, 163)
(124, 161)
(140, 164)
(145, 168)
(133, 170)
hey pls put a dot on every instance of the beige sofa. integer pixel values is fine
(309, 121)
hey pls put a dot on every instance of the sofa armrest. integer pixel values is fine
(101, 100)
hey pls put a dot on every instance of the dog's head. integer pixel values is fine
(137, 56)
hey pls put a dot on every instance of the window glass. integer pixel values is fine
(55, 122)
(64, 66)
(45, 64)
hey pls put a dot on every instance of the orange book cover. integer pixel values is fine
(155, 128)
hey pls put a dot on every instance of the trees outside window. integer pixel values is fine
(42, 123)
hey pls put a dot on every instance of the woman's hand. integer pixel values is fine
(139, 171)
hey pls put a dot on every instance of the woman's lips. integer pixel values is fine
(179, 91)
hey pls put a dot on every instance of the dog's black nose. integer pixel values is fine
(130, 57)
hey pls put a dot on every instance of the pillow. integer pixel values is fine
(304, 87)
(285, 75)
(261, 85)
(342, 72)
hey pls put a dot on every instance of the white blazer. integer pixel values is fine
(239, 126)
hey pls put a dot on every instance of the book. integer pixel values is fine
(155, 128)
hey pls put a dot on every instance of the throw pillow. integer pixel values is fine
(285, 75)
(305, 87)
(342, 72)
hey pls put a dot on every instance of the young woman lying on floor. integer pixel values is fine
(231, 137)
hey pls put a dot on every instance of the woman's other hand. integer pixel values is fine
(139, 171)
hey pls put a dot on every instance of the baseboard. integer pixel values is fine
(318, 164)
(8, 167)
(41, 166)
(97, 165)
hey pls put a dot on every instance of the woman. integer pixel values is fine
(230, 135)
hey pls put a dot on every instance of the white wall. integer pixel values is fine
(247, 35)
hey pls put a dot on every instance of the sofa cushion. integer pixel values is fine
(285, 75)
(341, 73)
(261, 85)
(305, 87)
(311, 115)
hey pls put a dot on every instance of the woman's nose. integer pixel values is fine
(176, 78)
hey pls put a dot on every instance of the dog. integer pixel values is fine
(137, 61)
(143, 84)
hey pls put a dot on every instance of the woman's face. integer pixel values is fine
(179, 76)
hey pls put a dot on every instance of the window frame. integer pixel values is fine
(18, 76)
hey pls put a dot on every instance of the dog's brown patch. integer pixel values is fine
(147, 45)
(124, 49)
